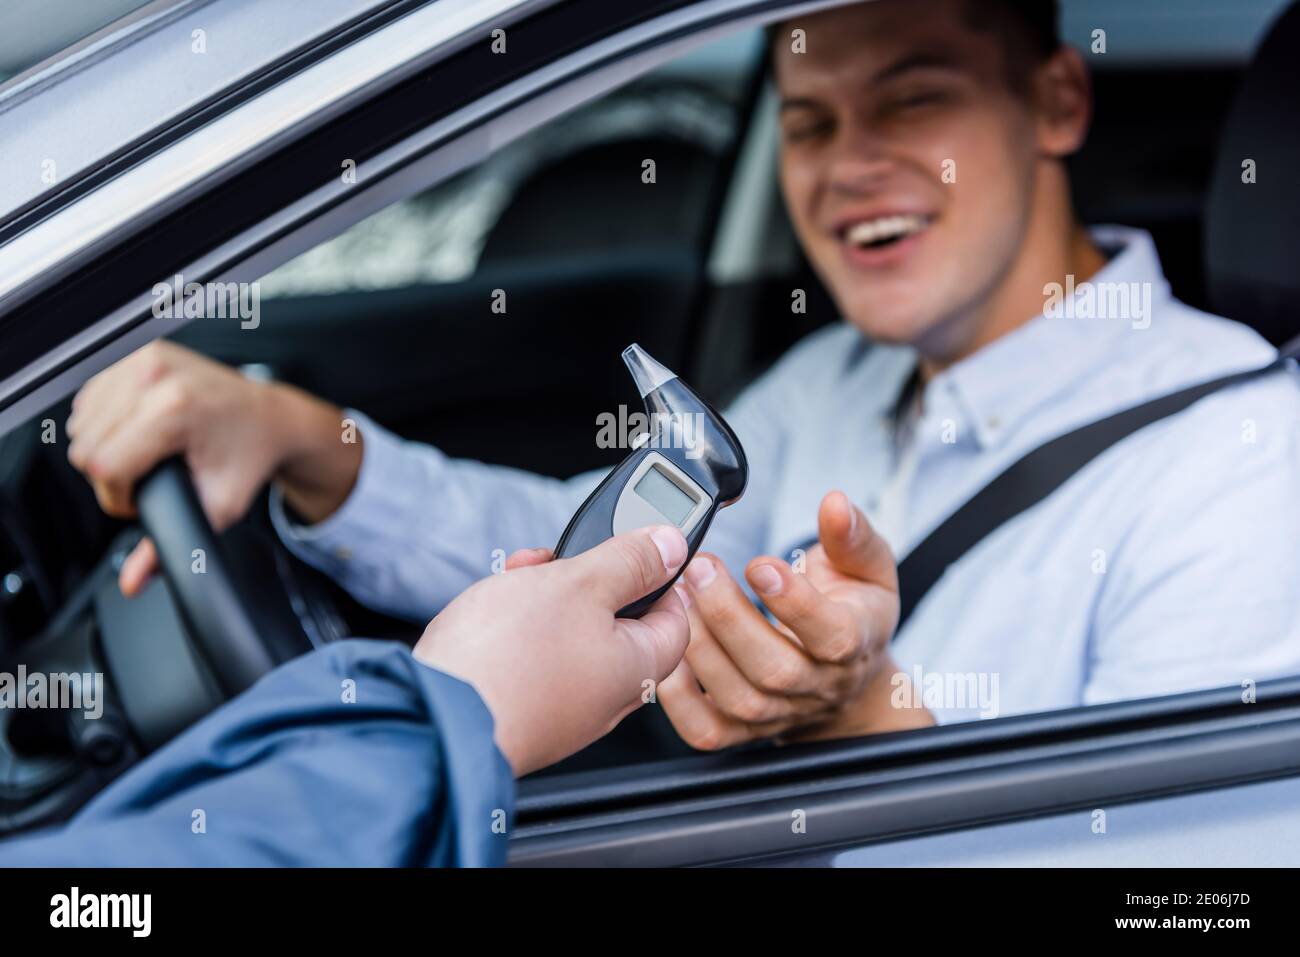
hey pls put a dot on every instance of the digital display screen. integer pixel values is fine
(665, 495)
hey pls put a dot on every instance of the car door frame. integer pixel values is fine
(736, 807)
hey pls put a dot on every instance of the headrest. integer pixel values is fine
(1252, 229)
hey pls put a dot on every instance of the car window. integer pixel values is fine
(430, 316)
(532, 198)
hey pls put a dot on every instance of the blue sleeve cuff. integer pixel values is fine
(480, 785)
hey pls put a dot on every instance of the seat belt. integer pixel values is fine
(1033, 477)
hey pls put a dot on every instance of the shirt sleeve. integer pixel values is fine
(353, 755)
(1209, 598)
(419, 527)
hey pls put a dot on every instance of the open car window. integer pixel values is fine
(688, 113)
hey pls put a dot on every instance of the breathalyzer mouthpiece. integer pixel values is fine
(646, 372)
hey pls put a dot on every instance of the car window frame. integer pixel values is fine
(733, 807)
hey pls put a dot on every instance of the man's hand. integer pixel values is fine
(235, 435)
(823, 670)
(543, 648)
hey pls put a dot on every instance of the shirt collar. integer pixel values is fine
(887, 368)
(1002, 384)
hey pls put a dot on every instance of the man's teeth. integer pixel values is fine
(885, 228)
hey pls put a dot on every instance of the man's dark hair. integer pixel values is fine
(1029, 29)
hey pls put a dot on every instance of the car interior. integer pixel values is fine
(592, 260)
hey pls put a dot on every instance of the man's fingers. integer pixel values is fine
(525, 557)
(733, 693)
(105, 402)
(114, 498)
(125, 455)
(767, 658)
(88, 428)
(632, 565)
(830, 630)
(700, 722)
(696, 719)
(98, 399)
(138, 568)
(852, 545)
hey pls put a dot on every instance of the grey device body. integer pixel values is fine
(690, 465)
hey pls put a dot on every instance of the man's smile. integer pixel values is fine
(881, 239)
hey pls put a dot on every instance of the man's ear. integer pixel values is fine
(1062, 91)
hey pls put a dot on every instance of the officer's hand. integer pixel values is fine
(543, 648)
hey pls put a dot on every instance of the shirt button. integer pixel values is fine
(993, 423)
(343, 553)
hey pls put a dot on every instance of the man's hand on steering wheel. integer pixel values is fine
(235, 435)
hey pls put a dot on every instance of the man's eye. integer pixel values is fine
(917, 100)
(806, 131)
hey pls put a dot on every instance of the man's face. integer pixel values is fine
(907, 163)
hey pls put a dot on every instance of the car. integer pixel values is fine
(386, 172)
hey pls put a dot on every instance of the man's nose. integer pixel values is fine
(858, 162)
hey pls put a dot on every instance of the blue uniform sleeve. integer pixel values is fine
(356, 754)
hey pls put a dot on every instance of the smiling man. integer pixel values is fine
(921, 160)
(923, 148)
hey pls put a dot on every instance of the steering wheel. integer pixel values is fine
(175, 654)
(216, 617)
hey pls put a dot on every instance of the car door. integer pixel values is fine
(413, 95)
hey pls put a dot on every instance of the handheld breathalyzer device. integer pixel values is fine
(686, 467)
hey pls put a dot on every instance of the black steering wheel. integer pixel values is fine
(216, 617)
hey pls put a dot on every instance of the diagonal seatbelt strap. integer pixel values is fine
(1032, 478)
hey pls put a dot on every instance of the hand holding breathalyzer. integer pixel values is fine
(679, 474)
(544, 648)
